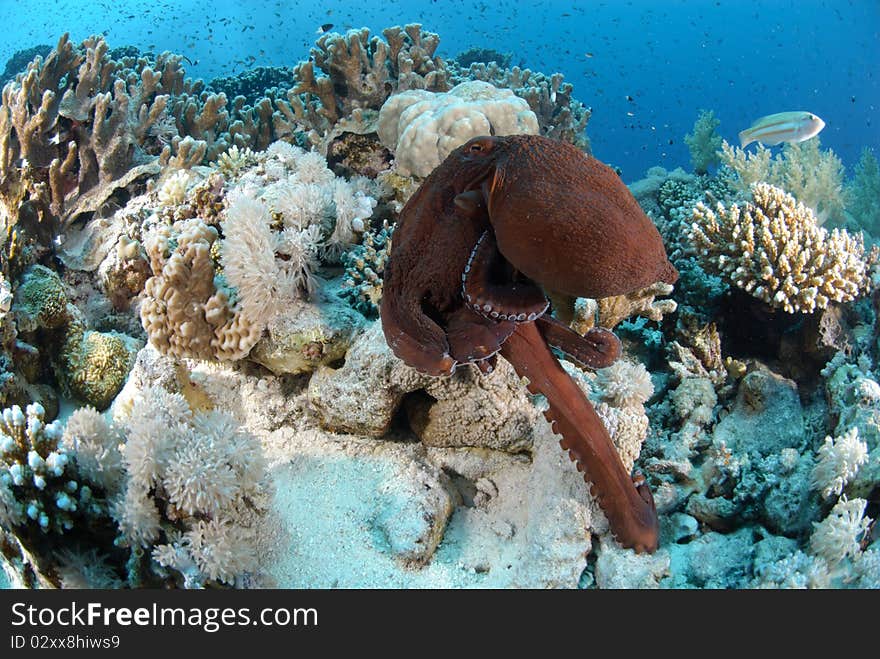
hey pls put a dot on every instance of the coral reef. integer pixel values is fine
(560, 115)
(862, 193)
(198, 393)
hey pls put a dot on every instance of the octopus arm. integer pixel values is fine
(414, 337)
(626, 502)
(598, 348)
(489, 287)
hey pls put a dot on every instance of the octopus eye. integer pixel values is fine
(476, 148)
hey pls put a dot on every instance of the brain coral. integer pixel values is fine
(774, 249)
(422, 127)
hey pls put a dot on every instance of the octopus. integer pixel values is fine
(490, 234)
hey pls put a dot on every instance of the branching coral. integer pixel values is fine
(704, 142)
(361, 73)
(560, 116)
(364, 267)
(74, 128)
(773, 248)
(812, 176)
(36, 486)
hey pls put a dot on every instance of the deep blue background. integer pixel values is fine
(742, 58)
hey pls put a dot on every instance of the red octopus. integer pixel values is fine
(498, 222)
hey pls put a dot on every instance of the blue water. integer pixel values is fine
(742, 58)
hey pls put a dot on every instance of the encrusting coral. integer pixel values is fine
(87, 364)
(774, 249)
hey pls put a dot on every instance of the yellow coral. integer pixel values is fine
(774, 249)
(811, 175)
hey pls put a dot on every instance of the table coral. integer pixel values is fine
(773, 248)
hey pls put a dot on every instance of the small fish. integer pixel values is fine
(326, 27)
(782, 127)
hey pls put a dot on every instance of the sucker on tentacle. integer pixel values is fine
(516, 301)
(626, 501)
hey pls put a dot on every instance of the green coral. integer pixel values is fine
(93, 366)
(863, 193)
(704, 142)
(90, 365)
(40, 300)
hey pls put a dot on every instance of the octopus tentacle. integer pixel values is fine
(430, 352)
(626, 502)
(520, 301)
(473, 338)
(598, 348)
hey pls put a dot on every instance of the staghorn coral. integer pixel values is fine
(704, 142)
(422, 127)
(74, 128)
(774, 249)
(361, 73)
(812, 176)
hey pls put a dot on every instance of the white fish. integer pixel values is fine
(782, 127)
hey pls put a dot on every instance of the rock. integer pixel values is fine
(309, 335)
(623, 568)
(766, 416)
(713, 560)
(362, 396)
(791, 505)
(471, 409)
